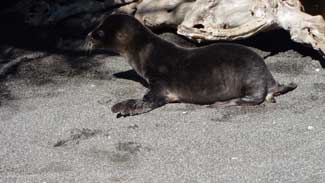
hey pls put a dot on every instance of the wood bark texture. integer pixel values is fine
(211, 20)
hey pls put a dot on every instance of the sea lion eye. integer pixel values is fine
(99, 34)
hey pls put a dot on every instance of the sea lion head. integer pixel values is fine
(114, 33)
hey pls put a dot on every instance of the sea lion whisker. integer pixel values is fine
(88, 46)
(84, 46)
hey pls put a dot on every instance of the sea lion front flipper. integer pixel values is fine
(133, 107)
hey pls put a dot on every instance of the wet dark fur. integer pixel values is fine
(221, 74)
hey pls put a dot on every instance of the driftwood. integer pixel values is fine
(199, 20)
(159, 13)
(211, 20)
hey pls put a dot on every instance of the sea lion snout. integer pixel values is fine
(96, 35)
(105, 38)
(94, 39)
(87, 45)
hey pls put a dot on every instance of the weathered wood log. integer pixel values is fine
(159, 13)
(200, 20)
(211, 20)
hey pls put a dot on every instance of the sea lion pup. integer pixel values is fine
(221, 74)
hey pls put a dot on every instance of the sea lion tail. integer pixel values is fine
(283, 89)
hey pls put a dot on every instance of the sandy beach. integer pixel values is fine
(56, 126)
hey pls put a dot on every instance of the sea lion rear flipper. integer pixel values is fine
(282, 89)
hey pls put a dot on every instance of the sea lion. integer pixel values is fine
(221, 74)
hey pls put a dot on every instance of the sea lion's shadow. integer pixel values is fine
(131, 75)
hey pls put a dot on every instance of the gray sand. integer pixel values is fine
(56, 126)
